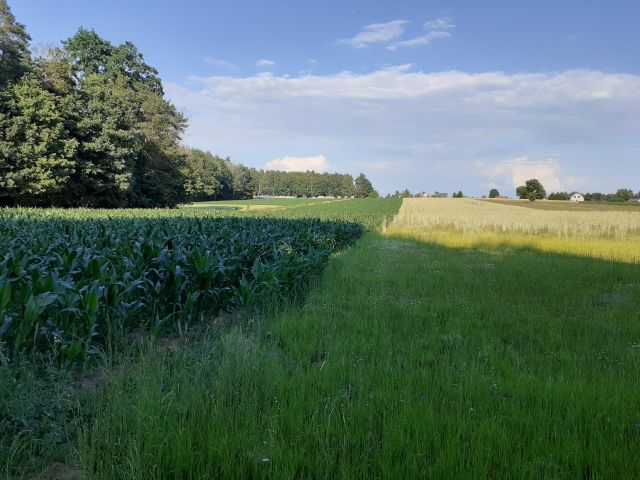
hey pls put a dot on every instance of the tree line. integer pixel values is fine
(87, 124)
(533, 190)
(621, 195)
(209, 177)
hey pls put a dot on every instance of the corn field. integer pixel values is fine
(69, 279)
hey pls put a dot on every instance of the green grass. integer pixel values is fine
(61, 256)
(408, 360)
(278, 202)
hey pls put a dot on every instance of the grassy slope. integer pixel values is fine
(409, 360)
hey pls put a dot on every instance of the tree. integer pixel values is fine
(93, 55)
(494, 193)
(37, 155)
(203, 173)
(363, 186)
(531, 190)
(109, 144)
(624, 194)
(244, 181)
(15, 58)
(129, 134)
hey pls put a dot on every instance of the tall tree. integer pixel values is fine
(37, 155)
(109, 144)
(494, 193)
(531, 190)
(203, 173)
(244, 181)
(129, 133)
(93, 55)
(14, 46)
(363, 186)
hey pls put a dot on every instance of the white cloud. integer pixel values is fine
(435, 29)
(420, 40)
(439, 125)
(517, 171)
(377, 33)
(221, 63)
(440, 23)
(265, 62)
(298, 164)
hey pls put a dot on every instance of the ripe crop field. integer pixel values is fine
(447, 346)
(468, 215)
(605, 234)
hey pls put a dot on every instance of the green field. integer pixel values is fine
(437, 347)
(258, 203)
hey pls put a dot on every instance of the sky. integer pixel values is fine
(425, 95)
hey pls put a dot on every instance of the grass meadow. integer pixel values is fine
(433, 349)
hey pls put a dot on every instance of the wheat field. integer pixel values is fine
(466, 223)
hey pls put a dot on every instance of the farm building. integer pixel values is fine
(577, 197)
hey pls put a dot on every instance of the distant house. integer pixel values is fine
(577, 197)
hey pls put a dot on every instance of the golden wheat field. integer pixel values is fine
(464, 223)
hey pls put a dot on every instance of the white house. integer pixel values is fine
(577, 197)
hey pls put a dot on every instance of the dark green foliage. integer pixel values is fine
(494, 193)
(93, 55)
(404, 194)
(559, 196)
(244, 181)
(363, 186)
(458, 194)
(87, 127)
(621, 195)
(36, 152)
(305, 184)
(207, 176)
(532, 190)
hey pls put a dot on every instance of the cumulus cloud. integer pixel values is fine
(377, 33)
(437, 126)
(517, 171)
(317, 163)
(265, 62)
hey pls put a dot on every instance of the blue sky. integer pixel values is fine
(439, 95)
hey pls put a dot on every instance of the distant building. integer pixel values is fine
(577, 197)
